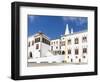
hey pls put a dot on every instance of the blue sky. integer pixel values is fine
(54, 26)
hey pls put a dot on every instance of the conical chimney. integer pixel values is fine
(67, 29)
(71, 30)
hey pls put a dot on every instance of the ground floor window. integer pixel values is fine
(84, 50)
(63, 52)
(79, 60)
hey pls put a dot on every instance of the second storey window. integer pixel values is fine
(37, 40)
(84, 39)
(69, 41)
(76, 51)
(76, 40)
(45, 41)
(69, 51)
(37, 46)
(84, 50)
(30, 54)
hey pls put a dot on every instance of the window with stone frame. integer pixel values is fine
(84, 50)
(69, 51)
(76, 41)
(37, 40)
(37, 46)
(84, 39)
(76, 51)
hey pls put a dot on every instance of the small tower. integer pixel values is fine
(71, 31)
(66, 30)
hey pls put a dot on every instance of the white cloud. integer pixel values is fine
(77, 20)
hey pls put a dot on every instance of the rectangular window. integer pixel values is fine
(84, 39)
(29, 44)
(45, 41)
(69, 51)
(76, 40)
(69, 41)
(76, 51)
(84, 50)
(37, 46)
(60, 43)
(32, 42)
(51, 47)
(37, 40)
(60, 47)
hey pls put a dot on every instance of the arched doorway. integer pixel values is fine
(63, 52)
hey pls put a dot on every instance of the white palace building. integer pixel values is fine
(69, 48)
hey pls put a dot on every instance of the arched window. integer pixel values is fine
(30, 55)
(63, 52)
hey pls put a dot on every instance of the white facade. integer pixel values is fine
(75, 47)
(70, 47)
(38, 46)
(55, 46)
